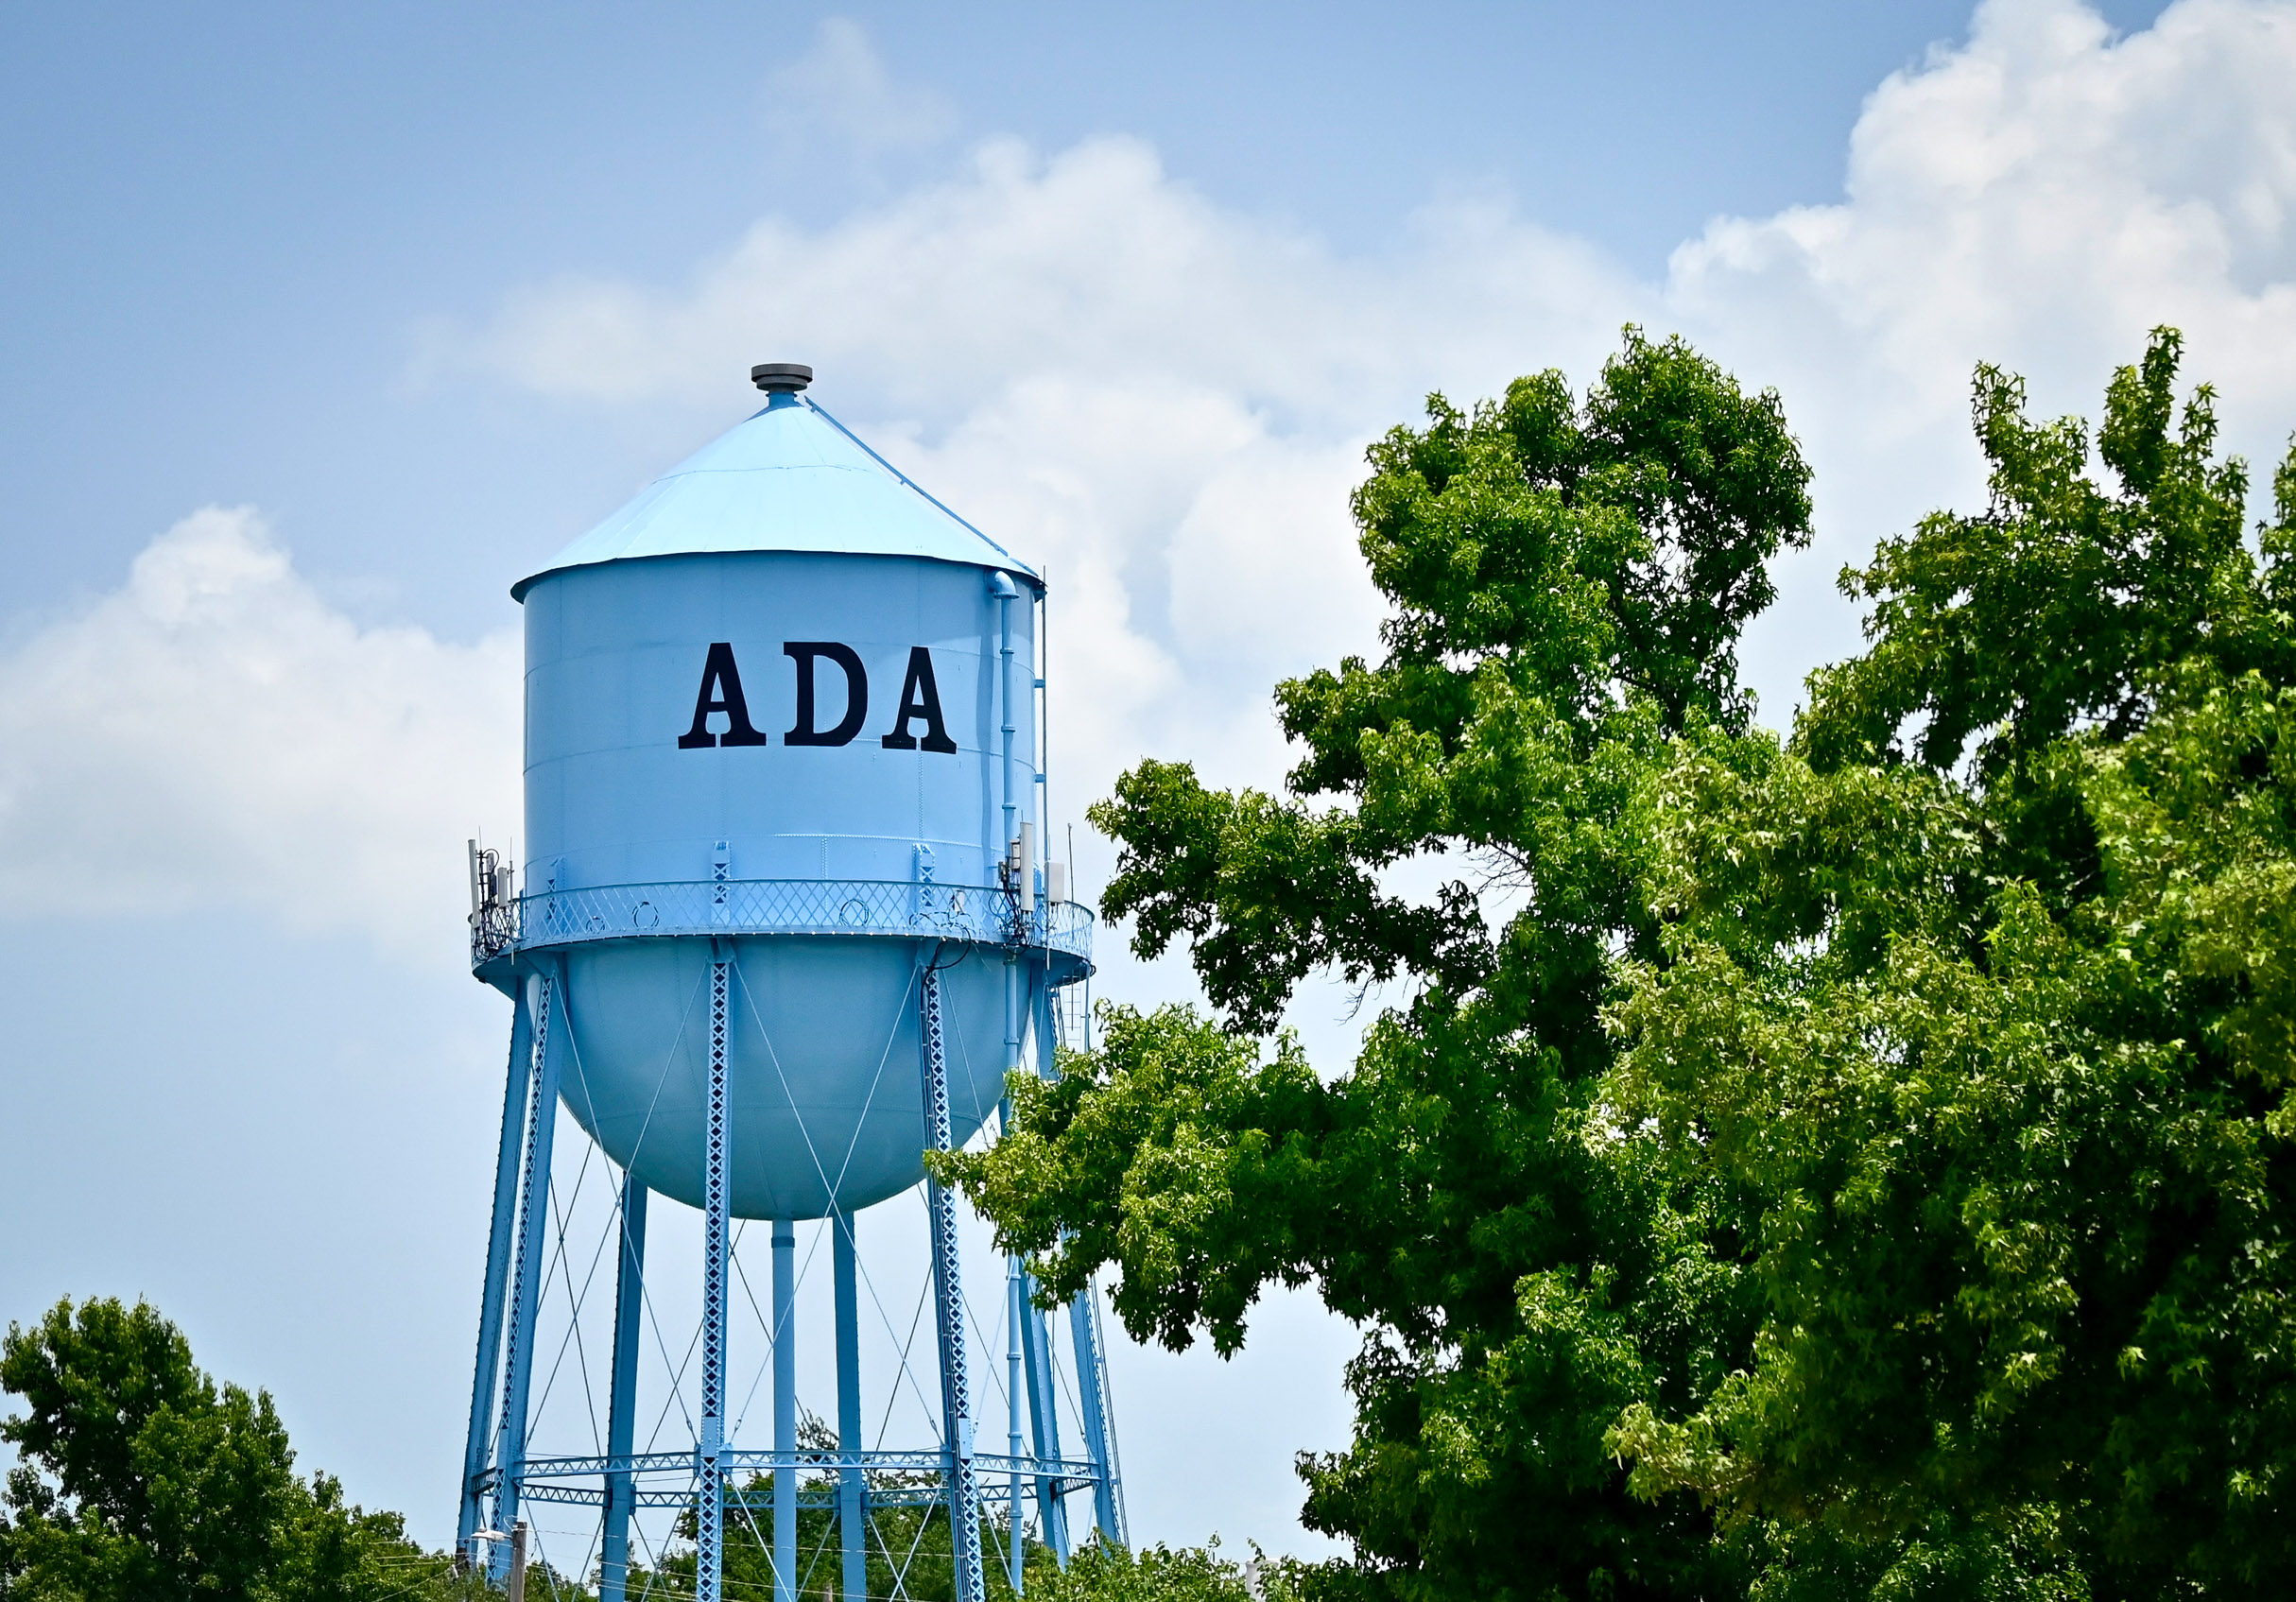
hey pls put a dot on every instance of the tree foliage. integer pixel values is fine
(141, 1480)
(1848, 1166)
(1978, 991)
(1099, 1572)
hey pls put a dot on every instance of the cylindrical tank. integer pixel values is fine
(768, 713)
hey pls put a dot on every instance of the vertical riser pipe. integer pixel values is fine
(622, 1402)
(852, 1513)
(785, 1410)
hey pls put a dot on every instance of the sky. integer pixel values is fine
(321, 326)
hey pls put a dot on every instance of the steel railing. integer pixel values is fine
(778, 906)
(911, 1476)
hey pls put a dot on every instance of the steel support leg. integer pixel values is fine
(709, 1543)
(1084, 1336)
(948, 1295)
(1015, 1012)
(1092, 1401)
(1014, 1307)
(852, 1489)
(785, 1410)
(622, 1404)
(1036, 1339)
(479, 1445)
(526, 1284)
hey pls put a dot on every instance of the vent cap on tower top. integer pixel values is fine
(787, 477)
(773, 376)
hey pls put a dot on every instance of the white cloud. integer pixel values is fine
(2039, 197)
(1094, 264)
(215, 733)
(840, 88)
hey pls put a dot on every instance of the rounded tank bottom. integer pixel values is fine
(824, 1059)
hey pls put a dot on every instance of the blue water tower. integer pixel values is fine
(785, 919)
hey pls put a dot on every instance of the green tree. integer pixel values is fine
(1161, 1573)
(1980, 991)
(1859, 1164)
(141, 1480)
(1567, 578)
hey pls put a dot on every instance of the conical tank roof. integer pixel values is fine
(789, 478)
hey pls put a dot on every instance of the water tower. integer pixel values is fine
(784, 919)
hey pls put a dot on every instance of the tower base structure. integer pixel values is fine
(818, 1508)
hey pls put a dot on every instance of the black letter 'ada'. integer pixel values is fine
(920, 698)
(720, 691)
(805, 652)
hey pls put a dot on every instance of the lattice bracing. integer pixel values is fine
(948, 1295)
(710, 1458)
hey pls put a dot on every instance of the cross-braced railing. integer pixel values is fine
(778, 906)
(666, 1479)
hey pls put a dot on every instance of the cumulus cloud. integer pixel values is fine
(1093, 263)
(213, 732)
(2042, 188)
(2039, 197)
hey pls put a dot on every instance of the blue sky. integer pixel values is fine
(226, 225)
(323, 324)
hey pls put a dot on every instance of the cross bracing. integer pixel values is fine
(595, 1313)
